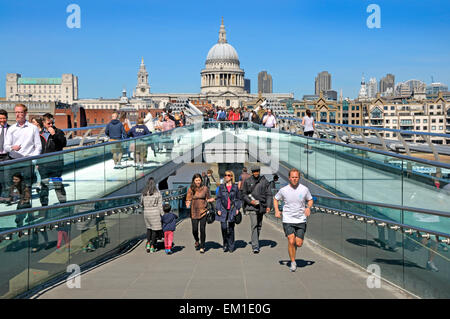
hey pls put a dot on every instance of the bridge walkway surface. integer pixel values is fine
(187, 274)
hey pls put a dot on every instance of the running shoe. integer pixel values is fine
(293, 266)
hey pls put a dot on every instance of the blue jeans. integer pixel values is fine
(228, 234)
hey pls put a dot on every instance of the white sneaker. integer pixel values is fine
(432, 266)
(293, 266)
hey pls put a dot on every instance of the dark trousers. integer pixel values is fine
(255, 227)
(228, 234)
(59, 190)
(195, 223)
(35, 239)
(151, 237)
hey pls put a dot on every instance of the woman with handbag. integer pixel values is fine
(197, 199)
(228, 205)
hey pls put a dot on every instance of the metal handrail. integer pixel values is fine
(383, 222)
(400, 156)
(81, 202)
(371, 150)
(358, 147)
(35, 157)
(84, 128)
(398, 207)
(183, 189)
(61, 220)
(75, 129)
(63, 205)
(373, 128)
(77, 203)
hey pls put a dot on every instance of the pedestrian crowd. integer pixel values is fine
(224, 200)
(262, 116)
(35, 135)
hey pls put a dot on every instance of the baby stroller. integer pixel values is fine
(102, 238)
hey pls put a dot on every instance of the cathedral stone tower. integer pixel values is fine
(142, 88)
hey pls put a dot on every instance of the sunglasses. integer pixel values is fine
(228, 175)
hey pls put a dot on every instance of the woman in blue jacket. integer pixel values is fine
(228, 203)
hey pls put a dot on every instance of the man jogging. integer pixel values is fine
(295, 212)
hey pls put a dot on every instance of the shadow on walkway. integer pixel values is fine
(300, 263)
(265, 242)
(239, 244)
(212, 245)
(176, 249)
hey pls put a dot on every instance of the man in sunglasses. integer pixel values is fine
(257, 198)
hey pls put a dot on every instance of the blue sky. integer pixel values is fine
(292, 40)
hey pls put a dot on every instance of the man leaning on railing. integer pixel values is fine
(51, 170)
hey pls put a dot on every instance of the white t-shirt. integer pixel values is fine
(308, 123)
(271, 121)
(294, 203)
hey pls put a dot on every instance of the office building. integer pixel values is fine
(247, 85)
(264, 82)
(387, 85)
(322, 82)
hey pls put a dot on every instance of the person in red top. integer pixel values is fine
(234, 115)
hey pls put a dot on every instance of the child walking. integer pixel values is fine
(169, 221)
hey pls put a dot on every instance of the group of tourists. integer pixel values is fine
(260, 116)
(252, 195)
(120, 129)
(30, 138)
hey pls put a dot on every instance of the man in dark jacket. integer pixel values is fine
(257, 199)
(115, 131)
(51, 168)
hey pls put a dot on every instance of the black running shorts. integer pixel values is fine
(298, 229)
